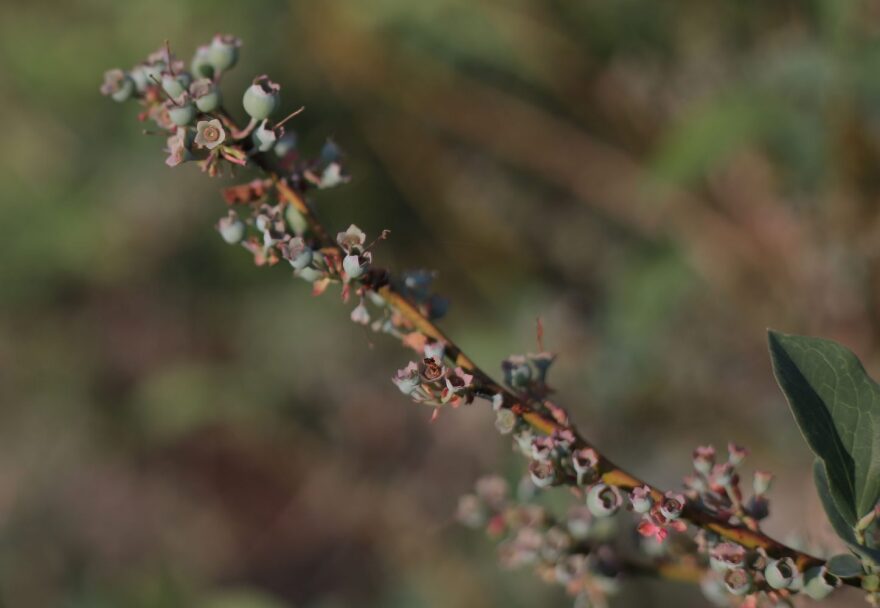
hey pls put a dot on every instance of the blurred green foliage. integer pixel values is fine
(658, 181)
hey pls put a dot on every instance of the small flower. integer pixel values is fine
(641, 499)
(231, 228)
(297, 253)
(352, 240)
(727, 556)
(497, 401)
(407, 379)
(262, 98)
(118, 85)
(205, 95)
(360, 314)
(762, 482)
(739, 582)
(781, 573)
(209, 133)
(604, 500)
(505, 421)
(543, 474)
(704, 459)
(223, 52)
(736, 454)
(672, 505)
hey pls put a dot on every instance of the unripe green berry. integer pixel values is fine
(603, 500)
(309, 274)
(223, 52)
(295, 220)
(183, 112)
(262, 98)
(201, 66)
(153, 72)
(820, 583)
(780, 573)
(355, 265)
(205, 95)
(231, 228)
(264, 138)
(139, 76)
(175, 84)
(118, 85)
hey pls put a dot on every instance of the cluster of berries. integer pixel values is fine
(574, 551)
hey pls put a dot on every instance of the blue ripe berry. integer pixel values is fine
(201, 65)
(181, 111)
(117, 85)
(205, 94)
(223, 52)
(175, 84)
(263, 137)
(781, 573)
(262, 98)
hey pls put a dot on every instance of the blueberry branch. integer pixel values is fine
(561, 456)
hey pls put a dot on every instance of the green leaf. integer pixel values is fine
(841, 527)
(845, 565)
(837, 406)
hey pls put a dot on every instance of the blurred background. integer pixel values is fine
(658, 181)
